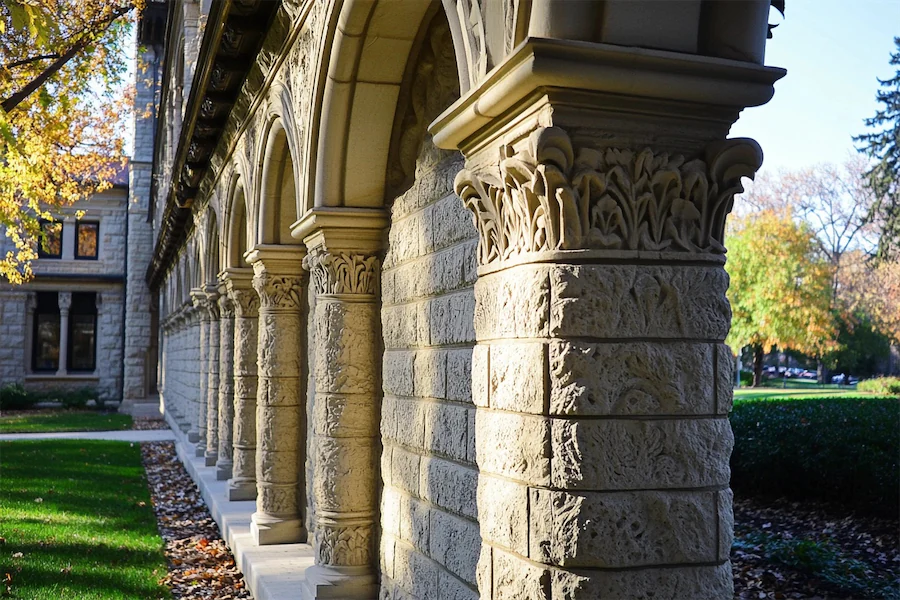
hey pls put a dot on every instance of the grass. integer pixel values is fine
(77, 522)
(797, 389)
(52, 421)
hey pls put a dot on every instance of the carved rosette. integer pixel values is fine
(349, 546)
(245, 301)
(278, 291)
(550, 195)
(342, 273)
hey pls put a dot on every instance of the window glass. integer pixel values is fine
(82, 332)
(45, 343)
(86, 246)
(50, 245)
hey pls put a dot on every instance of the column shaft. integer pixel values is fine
(242, 485)
(212, 383)
(65, 302)
(226, 386)
(198, 297)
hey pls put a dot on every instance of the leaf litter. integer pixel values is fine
(201, 566)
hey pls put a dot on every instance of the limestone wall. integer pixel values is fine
(13, 334)
(430, 538)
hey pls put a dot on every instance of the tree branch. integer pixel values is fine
(29, 60)
(9, 104)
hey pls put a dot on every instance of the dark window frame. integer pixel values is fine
(79, 309)
(35, 339)
(62, 237)
(78, 225)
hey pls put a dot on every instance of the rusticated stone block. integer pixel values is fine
(445, 429)
(397, 373)
(405, 470)
(480, 374)
(430, 380)
(518, 377)
(625, 529)
(414, 573)
(503, 513)
(627, 301)
(684, 582)
(414, 522)
(455, 543)
(516, 578)
(449, 319)
(724, 379)
(513, 303)
(622, 454)
(631, 379)
(341, 415)
(726, 523)
(513, 445)
(410, 422)
(390, 512)
(454, 589)
(459, 375)
(449, 485)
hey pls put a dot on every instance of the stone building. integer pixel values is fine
(441, 288)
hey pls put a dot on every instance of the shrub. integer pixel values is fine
(14, 396)
(77, 398)
(832, 449)
(880, 385)
(746, 378)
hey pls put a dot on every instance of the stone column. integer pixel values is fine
(600, 376)
(197, 433)
(345, 448)
(242, 485)
(280, 283)
(212, 381)
(65, 302)
(226, 384)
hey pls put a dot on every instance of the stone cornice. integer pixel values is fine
(539, 65)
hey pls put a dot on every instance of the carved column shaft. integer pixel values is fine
(280, 401)
(226, 386)
(242, 485)
(198, 434)
(212, 381)
(345, 426)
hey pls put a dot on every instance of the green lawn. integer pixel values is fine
(47, 421)
(77, 522)
(805, 391)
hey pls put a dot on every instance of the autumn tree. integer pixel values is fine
(780, 289)
(62, 64)
(882, 145)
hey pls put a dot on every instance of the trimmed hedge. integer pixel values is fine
(841, 450)
(880, 385)
(14, 396)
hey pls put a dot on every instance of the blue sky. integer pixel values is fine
(833, 51)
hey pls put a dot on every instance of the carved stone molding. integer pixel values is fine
(278, 291)
(342, 273)
(550, 195)
(212, 305)
(348, 546)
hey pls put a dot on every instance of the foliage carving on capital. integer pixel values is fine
(226, 307)
(212, 305)
(278, 291)
(550, 195)
(342, 273)
(246, 302)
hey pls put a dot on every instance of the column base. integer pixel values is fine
(268, 530)
(193, 436)
(184, 427)
(339, 582)
(211, 458)
(200, 450)
(241, 489)
(223, 470)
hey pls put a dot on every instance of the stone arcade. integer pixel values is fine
(441, 286)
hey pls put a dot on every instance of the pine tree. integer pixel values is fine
(883, 146)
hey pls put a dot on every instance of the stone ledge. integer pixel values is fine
(270, 572)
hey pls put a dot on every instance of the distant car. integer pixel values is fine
(844, 379)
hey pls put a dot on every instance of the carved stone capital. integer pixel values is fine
(277, 291)
(212, 304)
(342, 273)
(548, 195)
(225, 306)
(246, 302)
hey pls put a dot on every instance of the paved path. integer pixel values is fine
(150, 435)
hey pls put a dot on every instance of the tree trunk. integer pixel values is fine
(820, 371)
(758, 356)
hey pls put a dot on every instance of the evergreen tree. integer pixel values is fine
(882, 144)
